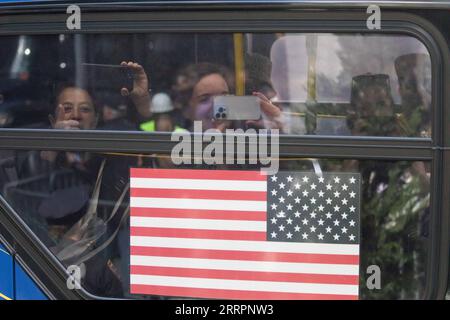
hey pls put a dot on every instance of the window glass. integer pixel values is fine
(315, 84)
(376, 213)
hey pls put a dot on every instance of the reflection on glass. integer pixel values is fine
(78, 205)
(380, 84)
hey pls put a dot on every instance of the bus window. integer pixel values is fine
(100, 211)
(301, 84)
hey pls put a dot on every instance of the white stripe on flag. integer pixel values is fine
(265, 266)
(198, 184)
(200, 204)
(240, 245)
(268, 286)
(237, 225)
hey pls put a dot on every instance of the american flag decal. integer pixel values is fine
(241, 235)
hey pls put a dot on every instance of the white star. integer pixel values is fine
(337, 194)
(344, 201)
(321, 207)
(313, 187)
(297, 186)
(344, 216)
(352, 209)
(352, 237)
(274, 192)
(320, 222)
(274, 220)
(328, 201)
(313, 215)
(305, 207)
(344, 187)
(328, 230)
(289, 235)
(282, 185)
(281, 228)
(336, 222)
(328, 215)
(289, 179)
(336, 236)
(352, 194)
(320, 236)
(328, 186)
(344, 230)
(321, 193)
(352, 223)
(305, 193)
(305, 236)
(305, 221)
(289, 193)
(313, 229)
(297, 214)
(289, 206)
(281, 199)
(352, 180)
(274, 206)
(321, 179)
(313, 200)
(337, 180)
(336, 208)
(297, 228)
(289, 221)
(281, 214)
(297, 200)
(274, 178)
(305, 179)
(273, 234)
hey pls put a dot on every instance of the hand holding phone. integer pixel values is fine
(110, 75)
(236, 108)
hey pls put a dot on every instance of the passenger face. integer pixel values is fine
(164, 123)
(78, 106)
(203, 93)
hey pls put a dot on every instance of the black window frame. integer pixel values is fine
(231, 19)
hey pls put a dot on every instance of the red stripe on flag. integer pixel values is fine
(231, 294)
(245, 275)
(197, 174)
(198, 233)
(198, 194)
(245, 255)
(199, 214)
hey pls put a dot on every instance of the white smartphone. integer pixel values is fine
(236, 108)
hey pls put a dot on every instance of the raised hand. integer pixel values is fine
(140, 93)
(272, 115)
(59, 122)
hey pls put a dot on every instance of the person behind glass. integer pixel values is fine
(76, 110)
(372, 106)
(162, 120)
(198, 84)
(75, 107)
(414, 79)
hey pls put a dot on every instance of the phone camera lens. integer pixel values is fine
(218, 115)
(223, 115)
(220, 109)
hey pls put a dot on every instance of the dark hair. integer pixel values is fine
(191, 75)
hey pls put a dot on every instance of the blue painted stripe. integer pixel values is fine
(26, 288)
(6, 274)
